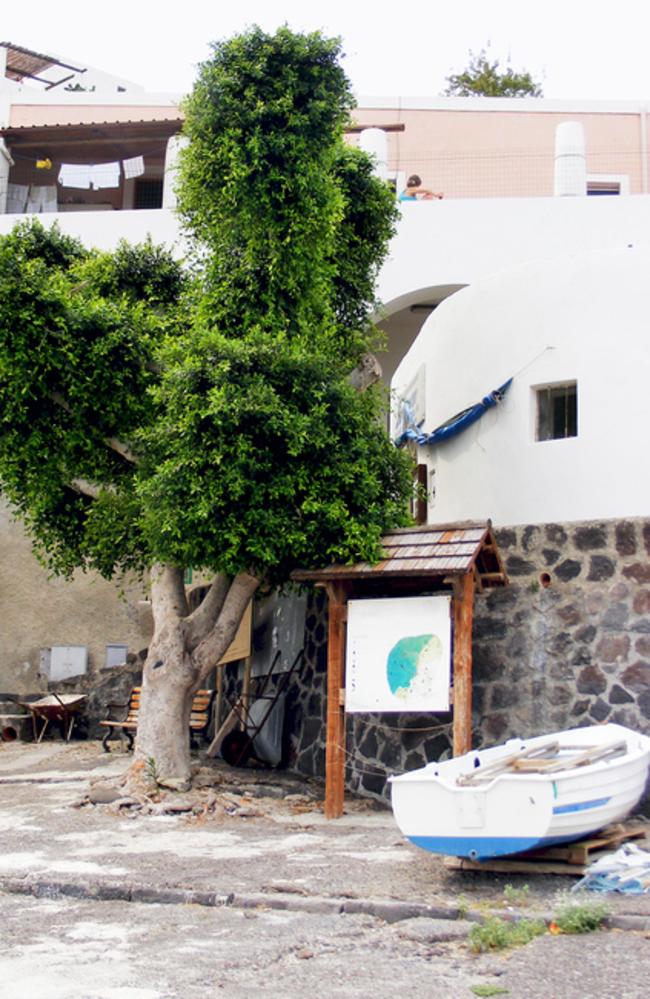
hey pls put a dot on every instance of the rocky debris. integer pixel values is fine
(103, 793)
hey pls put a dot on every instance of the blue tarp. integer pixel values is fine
(457, 423)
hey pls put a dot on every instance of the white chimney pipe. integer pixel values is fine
(570, 160)
(374, 141)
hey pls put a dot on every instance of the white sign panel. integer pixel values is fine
(398, 654)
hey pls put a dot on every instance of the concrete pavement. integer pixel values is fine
(249, 855)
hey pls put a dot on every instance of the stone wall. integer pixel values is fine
(567, 643)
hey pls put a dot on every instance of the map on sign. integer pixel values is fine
(398, 654)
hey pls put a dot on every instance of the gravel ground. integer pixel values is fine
(261, 836)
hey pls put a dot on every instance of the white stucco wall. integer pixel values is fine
(581, 317)
(456, 242)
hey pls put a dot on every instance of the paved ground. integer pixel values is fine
(310, 906)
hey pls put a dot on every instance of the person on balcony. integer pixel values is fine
(414, 191)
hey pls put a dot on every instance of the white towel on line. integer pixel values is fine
(105, 175)
(75, 175)
(133, 167)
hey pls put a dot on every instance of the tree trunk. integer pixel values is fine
(184, 650)
(163, 736)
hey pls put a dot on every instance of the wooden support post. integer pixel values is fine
(463, 616)
(246, 691)
(335, 745)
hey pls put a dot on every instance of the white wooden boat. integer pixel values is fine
(525, 794)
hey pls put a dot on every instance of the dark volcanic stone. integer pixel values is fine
(529, 537)
(551, 555)
(517, 645)
(559, 693)
(413, 761)
(636, 677)
(503, 696)
(592, 680)
(641, 602)
(493, 628)
(506, 538)
(518, 566)
(600, 710)
(586, 634)
(613, 648)
(580, 707)
(642, 645)
(368, 746)
(568, 569)
(570, 614)
(434, 748)
(646, 536)
(587, 538)
(556, 534)
(619, 696)
(615, 617)
(601, 567)
(625, 538)
(643, 700)
(496, 725)
(560, 643)
(390, 754)
(639, 572)
(375, 783)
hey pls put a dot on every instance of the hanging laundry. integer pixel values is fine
(41, 199)
(75, 175)
(16, 198)
(133, 167)
(105, 175)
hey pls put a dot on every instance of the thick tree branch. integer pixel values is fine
(366, 373)
(115, 445)
(86, 488)
(168, 593)
(122, 449)
(201, 621)
(214, 645)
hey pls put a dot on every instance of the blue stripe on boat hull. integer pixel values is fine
(484, 848)
(580, 806)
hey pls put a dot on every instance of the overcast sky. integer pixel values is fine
(588, 49)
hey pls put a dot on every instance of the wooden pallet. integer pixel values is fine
(570, 859)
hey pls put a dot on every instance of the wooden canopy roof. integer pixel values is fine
(430, 552)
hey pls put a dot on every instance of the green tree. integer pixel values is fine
(483, 78)
(154, 418)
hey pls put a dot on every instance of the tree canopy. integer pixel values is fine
(482, 78)
(154, 413)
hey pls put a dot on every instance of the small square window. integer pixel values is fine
(557, 412)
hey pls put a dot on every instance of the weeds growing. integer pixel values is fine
(497, 934)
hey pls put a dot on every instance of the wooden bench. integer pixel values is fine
(199, 718)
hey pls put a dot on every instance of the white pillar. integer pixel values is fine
(174, 146)
(374, 141)
(6, 163)
(570, 160)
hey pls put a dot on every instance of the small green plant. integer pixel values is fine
(151, 770)
(497, 934)
(488, 990)
(516, 896)
(579, 917)
(463, 905)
